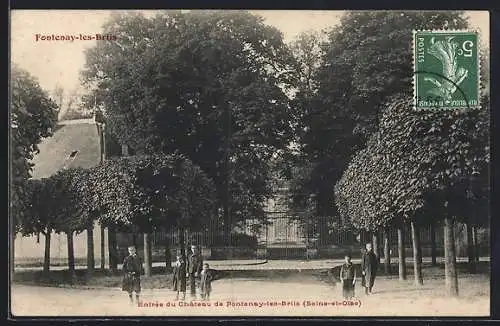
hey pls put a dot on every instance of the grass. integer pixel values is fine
(38, 262)
(62, 278)
(160, 279)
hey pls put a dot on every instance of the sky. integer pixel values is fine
(56, 63)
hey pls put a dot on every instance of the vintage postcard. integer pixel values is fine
(241, 163)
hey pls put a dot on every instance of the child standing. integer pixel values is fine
(206, 282)
(132, 269)
(348, 278)
(179, 281)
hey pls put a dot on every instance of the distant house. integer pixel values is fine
(75, 143)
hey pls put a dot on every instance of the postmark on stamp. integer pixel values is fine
(446, 70)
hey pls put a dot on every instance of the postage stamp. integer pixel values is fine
(446, 69)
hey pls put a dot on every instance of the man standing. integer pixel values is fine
(194, 267)
(132, 270)
(369, 265)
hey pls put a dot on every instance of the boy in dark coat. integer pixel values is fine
(132, 270)
(194, 267)
(348, 278)
(206, 282)
(369, 265)
(179, 281)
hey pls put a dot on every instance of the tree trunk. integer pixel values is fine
(365, 237)
(475, 243)
(168, 254)
(147, 254)
(375, 244)
(182, 242)
(387, 253)
(103, 248)
(113, 251)
(90, 249)
(433, 244)
(168, 258)
(470, 249)
(71, 254)
(417, 254)
(401, 255)
(46, 256)
(450, 268)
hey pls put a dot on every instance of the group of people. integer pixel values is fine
(369, 265)
(191, 269)
(195, 271)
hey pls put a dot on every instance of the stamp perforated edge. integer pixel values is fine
(414, 79)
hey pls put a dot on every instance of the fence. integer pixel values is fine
(288, 234)
(285, 237)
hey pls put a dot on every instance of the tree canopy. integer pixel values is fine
(32, 117)
(147, 192)
(416, 162)
(211, 86)
(39, 202)
(67, 205)
(366, 59)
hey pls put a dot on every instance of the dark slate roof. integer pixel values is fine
(76, 143)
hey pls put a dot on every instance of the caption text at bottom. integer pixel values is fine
(259, 304)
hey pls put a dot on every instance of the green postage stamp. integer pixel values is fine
(446, 69)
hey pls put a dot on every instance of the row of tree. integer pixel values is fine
(420, 168)
(139, 194)
(390, 166)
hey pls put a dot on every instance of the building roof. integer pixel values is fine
(75, 143)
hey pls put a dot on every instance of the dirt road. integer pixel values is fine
(304, 296)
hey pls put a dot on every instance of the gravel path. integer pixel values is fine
(303, 295)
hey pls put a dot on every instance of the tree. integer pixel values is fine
(39, 205)
(366, 59)
(68, 211)
(401, 254)
(374, 194)
(92, 213)
(422, 160)
(151, 192)
(209, 86)
(308, 55)
(32, 117)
